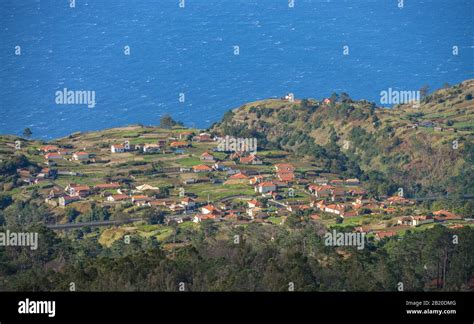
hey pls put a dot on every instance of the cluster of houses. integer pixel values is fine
(30, 177)
(53, 152)
(340, 197)
(439, 216)
(436, 125)
(174, 144)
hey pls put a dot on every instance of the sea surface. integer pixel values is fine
(191, 51)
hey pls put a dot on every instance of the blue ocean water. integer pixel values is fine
(190, 50)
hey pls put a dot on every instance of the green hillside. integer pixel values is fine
(424, 149)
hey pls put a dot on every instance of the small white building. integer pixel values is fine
(80, 156)
(117, 148)
(265, 187)
(151, 148)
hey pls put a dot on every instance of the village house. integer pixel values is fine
(140, 200)
(296, 207)
(51, 156)
(321, 205)
(254, 203)
(284, 168)
(145, 187)
(207, 157)
(64, 152)
(202, 217)
(65, 200)
(179, 144)
(357, 192)
(252, 212)
(119, 197)
(55, 192)
(188, 203)
(289, 97)
(398, 201)
(251, 159)
(379, 235)
(265, 187)
(219, 167)
(156, 203)
(256, 179)
(323, 191)
(151, 148)
(203, 137)
(415, 220)
(210, 209)
(49, 148)
(80, 156)
(231, 171)
(202, 168)
(360, 201)
(117, 148)
(238, 178)
(280, 184)
(176, 208)
(337, 209)
(444, 215)
(286, 176)
(46, 173)
(107, 186)
(185, 135)
(189, 180)
(75, 190)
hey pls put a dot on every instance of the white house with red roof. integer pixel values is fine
(202, 168)
(119, 197)
(209, 209)
(265, 187)
(76, 190)
(254, 203)
(51, 156)
(117, 148)
(207, 157)
(251, 159)
(188, 202)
